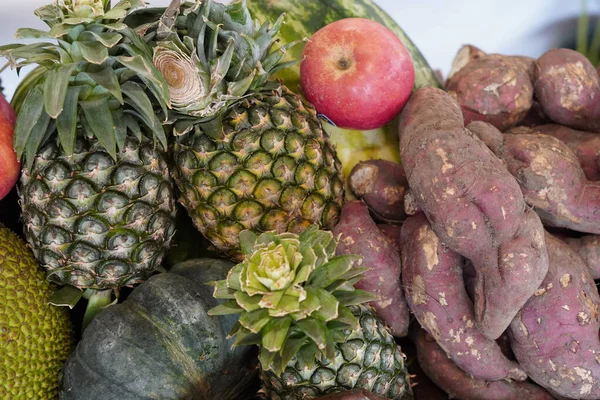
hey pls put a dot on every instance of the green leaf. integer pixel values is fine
(66, 123)
(227, 308)
(115, 13)
(99, 118)
(315, 330)
(246, 338)
(309, 305)
(55, 89)
(287, 305)
(107, 78)
(346, 317)
(353, 275)
(307, 266)
(256, 320)
(30, 112)
(133, 125)
(150, 76)
(329, 306)
(120, 128)
(234, 277)
(30, 33)
(266, 359)
(140, 102)
(272, 300)
(221, 290)
(248, 303)
(247, 239)
(354, 297)
(275, 333)
(67, 296)
(291, 348)
(93, 52)
(329, 272)
(35, 139)
(108, 39)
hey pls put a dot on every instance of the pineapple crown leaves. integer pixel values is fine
(90, 68)
(292, 293)
(213, 54)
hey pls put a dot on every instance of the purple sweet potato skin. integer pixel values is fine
(588, 248)
(392, 232)
(585, 145)
(551, 178)
(555, 335)
(381, 185)
(433, 280)
(475, 206)
(458, 384)
(360, 235)
(494, 88)
(568, 88)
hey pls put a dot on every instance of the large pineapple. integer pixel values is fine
(249, 153)
(297, 301)
(97, 200)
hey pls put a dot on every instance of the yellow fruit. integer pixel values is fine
(35, 337)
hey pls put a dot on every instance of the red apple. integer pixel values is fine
(9, 165)
(357, 73)
(7, 110)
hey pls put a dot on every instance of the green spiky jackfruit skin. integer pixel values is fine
(35, 337)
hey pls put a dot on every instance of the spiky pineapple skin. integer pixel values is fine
(368, 358)
(271, 167)
(95, 222)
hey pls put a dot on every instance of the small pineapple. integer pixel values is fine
(297, 301)
(248, 153)
(97, 199)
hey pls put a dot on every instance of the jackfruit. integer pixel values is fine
(35, 337)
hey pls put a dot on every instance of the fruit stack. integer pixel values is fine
(281, 200)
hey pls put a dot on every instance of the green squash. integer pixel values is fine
(160, 343)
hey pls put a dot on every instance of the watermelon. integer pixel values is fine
(303, 18)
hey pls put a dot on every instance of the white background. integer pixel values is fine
(438, 27)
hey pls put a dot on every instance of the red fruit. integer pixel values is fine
(7, 110)
(357, 73)
(9, 165)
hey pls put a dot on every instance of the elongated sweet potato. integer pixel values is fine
(588, 248)
(381, 185)
(550, 176)
(568, 88)
(432, 277)
(459, 385)
(494, 88)
(359, 235)
(555, 335)
(585, 145)
(474, 205)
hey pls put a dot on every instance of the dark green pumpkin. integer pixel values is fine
(161, 344)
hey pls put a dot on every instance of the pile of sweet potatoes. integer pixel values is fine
(486, 239)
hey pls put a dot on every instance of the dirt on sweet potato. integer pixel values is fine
(432, 277)
(475, 206)
(555, 335)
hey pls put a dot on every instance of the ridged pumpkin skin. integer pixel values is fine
(161, 344)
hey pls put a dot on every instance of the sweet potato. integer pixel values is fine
(585, 145)
(433, 281)
(458, 384)
(568, 89)
(392, 232)
(359, 235)
(381, 185)
(474, 205)
(550, 176)
(494, 88)
(555, 335)
(588, 248)
(465, 55)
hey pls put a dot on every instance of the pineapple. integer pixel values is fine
(248, 153)
(297, 301)
(97, 200)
